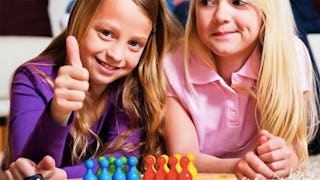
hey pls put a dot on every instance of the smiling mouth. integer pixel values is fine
(222, 33)
(107, 66)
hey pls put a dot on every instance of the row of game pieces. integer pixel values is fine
(113, 168)
(175, 167)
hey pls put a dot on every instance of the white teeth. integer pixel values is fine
(107, 66)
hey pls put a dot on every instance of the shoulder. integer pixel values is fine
(302, 52)
(35, 71)
(174, 60)
(304, 63)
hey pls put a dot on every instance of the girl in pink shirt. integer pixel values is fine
(241, 91)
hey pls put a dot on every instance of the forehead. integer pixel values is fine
(122, 12)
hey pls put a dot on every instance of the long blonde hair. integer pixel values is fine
(143, 91)
(281, 106)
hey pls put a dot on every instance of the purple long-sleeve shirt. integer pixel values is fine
(33, 132)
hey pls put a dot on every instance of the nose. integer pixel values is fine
(222, 13)
(116, 52)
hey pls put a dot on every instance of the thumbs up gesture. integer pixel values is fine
(70, 85)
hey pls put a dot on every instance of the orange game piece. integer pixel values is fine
(192, 169)
(178, 166)
(166, 157)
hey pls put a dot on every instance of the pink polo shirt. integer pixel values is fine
(224, 118)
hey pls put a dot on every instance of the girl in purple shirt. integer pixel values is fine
(241, 90)
(103, 96)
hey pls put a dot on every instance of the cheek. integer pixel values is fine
(202, 23)
(253, 22)
(85, 53)
(132, 61)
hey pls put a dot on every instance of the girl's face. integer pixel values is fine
(114, 42)
(230, 28)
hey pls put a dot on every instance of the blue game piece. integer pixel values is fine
(89, 163)
(104, 174)
(118, 174)
(133, 173)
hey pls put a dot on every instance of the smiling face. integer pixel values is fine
(230, 28)
(114, 41)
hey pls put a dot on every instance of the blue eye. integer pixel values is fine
(239, 2)
(134, 43)
(106, 33)
(207, 2)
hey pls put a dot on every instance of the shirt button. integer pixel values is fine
(233, 113)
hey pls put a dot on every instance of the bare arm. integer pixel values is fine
(181, 137)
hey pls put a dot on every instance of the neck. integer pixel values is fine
(96, 101)
(96, 91)
(228, 65)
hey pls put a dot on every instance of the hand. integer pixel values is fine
(275, 152)
(23, 167)
(70, 85)
(252, 167)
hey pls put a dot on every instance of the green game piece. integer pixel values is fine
(100, 169)
(112, 167)
(124, 161)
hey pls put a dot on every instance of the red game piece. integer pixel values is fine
(173, 174)
(150, 172)
(161, 173)
(184, 174)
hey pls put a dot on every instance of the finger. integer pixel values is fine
(266, 133)
(15, 171)
(283, 173)
(7, 175)
(74, 80)
(73, 51)
(239, 175)
(276, 155)
(263, 139)
(69, 105)
(273, 144)
(259, 177)
(258, 166)
(47, 163)
(70, 95)
(65, 72)
(277, 165)
(244, 170)
(26, 166)
(48, 169)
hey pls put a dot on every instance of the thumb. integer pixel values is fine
(47, 163)
(263, 139)
(73, 52)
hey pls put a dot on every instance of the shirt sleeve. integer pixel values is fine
(33, 134)
(305, 68)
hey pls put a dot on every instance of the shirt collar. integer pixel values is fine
(201, 73)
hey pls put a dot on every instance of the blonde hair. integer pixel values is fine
(282, 108)
(143, 91)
